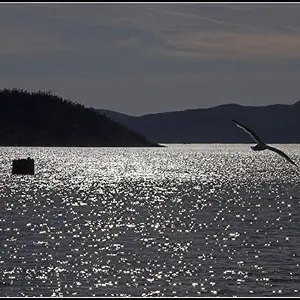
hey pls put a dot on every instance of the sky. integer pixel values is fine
(153, 57)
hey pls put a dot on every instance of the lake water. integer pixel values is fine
(186, 220)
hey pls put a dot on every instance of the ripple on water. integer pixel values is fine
(192, 220)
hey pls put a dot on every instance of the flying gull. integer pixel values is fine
(260, 144)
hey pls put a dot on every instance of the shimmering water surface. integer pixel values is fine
(186, 220)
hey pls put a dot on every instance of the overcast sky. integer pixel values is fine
(146, 58)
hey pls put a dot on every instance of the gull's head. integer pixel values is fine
(259, 147)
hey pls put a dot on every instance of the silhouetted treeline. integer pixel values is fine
(44, 119)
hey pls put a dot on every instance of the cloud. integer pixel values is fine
(150, 57)
(206, 18)
(233, 45)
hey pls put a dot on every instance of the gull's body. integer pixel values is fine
(262, 145)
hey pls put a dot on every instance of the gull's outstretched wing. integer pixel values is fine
(281, 153)
(248, 130)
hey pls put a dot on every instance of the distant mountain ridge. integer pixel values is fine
(44, 119)
(276, 123)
